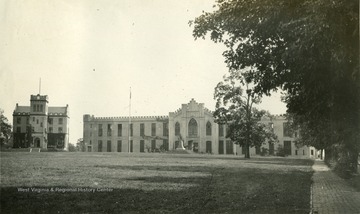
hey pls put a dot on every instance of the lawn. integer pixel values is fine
(152, 183)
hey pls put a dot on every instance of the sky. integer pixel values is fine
(89, 53)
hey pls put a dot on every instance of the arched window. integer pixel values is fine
(193, 130)
(177, 129)
(208, 128)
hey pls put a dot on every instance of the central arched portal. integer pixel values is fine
(193, 135)
(37, 142)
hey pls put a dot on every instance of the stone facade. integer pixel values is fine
(40, 125)
(192, 123)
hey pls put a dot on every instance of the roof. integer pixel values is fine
(57, 110)
(25, 110)
(22, 110)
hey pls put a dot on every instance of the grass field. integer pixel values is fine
(152, 183)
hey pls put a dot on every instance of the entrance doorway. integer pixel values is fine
(37, 142)
(190, 145)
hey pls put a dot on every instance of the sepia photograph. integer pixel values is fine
(193, 106)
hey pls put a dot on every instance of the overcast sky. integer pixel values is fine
(88, 53)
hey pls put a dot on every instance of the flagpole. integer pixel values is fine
(129, 121)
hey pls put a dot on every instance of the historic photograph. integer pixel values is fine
(193, 106)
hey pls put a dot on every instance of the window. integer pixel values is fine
(193, 129)
(119, 145)
(41, 108)
(165, 129)
(90, 142)
(119, 130)
(60, 121)
(50, 129)
(142, 146)
(109, 146)
(37, 108)
(142, 129)
(100, 131)
(287, 129)
(177, 129)
(41, 124)
(230, 148)
(153, 145)
(208, 147)
(312, 152)
(131, 130)
(18, 129)
(221, 147)
(90, 126)
(33, 119)
(60, 129)
(99, 146)
(27, 120)
(153, 129)
(296, 152)
(208, 128)
(34, 107)
(109, 130)
(18, 120)
(131, 146)
(37, 121)
(221, 130)
(165, 145)
(51, 121)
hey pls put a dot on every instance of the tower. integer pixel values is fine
(38, 120)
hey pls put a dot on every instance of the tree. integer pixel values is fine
(5, 128)
(236, 110)
(80, 145)
(308, 48)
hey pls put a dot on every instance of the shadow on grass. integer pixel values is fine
(224, 191)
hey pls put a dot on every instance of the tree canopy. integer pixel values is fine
(234, 107)
(308, 48)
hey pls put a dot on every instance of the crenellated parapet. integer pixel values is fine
(126, 118)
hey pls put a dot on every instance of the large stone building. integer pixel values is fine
(192, 123)
(40, 125)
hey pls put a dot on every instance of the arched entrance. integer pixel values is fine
(37, 142)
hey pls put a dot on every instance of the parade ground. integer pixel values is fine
(63, 182)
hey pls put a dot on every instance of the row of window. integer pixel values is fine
(38, 108)
(51, 130)
(119, 148)
(109, 129)
(50, 120)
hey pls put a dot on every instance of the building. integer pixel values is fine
(40, 125)
(192, 123)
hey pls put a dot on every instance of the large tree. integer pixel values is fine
(234, 108)
(310, 49)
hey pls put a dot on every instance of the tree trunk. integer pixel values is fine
(247, 151)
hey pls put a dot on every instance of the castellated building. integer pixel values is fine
(40, 125)
(193, 124)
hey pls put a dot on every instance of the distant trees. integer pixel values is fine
(234, 107)
(5, 129)
(308, 48)
(80, 145)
